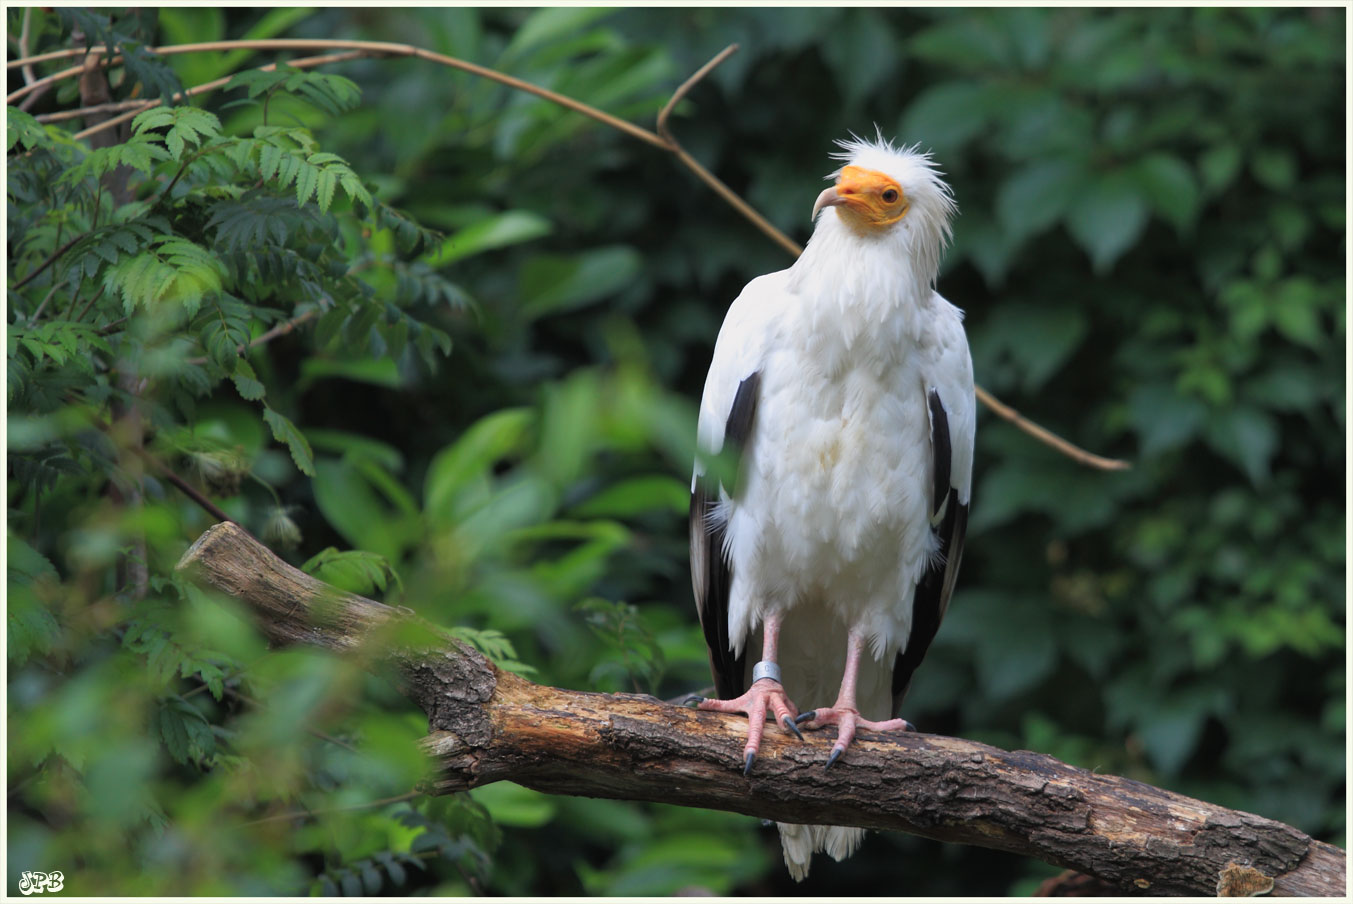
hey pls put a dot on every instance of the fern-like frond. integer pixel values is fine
(171, 270)
(186, 125)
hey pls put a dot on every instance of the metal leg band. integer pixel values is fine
(765, 669)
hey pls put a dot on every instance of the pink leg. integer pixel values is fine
(844, 713)
(765, 694)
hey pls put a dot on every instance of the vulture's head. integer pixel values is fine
(893, 194)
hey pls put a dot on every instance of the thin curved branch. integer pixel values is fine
(381, 48)
(663, 139)
(486, 725)
(722, 190)
(303, 63)
(281, 329)
(1047, 437)
(29, 76)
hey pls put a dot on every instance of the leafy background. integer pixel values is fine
(485, 411)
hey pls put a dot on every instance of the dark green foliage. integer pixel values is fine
(1150, 254)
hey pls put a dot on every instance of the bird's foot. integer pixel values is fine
(847, 721)
(765, 695)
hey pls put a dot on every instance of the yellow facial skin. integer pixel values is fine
(865, 198)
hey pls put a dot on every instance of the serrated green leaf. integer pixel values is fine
(174, 141)
(307, 178)
(246, 382)
(326, 184)
(173, 732)
(22, 127)
(284, 431)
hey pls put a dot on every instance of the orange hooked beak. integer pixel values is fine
(872, 197)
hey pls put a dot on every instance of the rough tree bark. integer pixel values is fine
(486, 725)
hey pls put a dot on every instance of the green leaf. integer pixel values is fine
(1170, 187)
(1037, 338)
(1171, 731)
(862, 34)
(1246, 436)
(173, 732)
(284, 431)
(1164, 419)
(354, 570)
(22, 128)
(1037, 195)
(949, 115)
(1219, 166)
(1295, 311)
(637, 496)
(246, 381)
(470, 457)
(362, 510)
(1274, 167)
(513, 805)
(551, 284)
(172, 271)
(544, 26)
(511, 227)
(1107, 219)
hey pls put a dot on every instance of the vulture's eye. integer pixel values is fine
(890, 196)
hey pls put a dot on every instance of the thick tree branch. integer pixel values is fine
(487, 725)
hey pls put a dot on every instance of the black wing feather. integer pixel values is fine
(937, 584)
(707, 552)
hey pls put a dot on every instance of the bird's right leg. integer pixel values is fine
(766, 694)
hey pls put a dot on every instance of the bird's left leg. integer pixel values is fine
(766, 693)
(844, 714)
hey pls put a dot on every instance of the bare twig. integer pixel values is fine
(1001, 410)
(313, 732)
(109, 328)
(408, 795)
(170, 475)
(55, 256)
(264, 338)
(43, 305)
(375, 48)
(723, 191)
(303, 63)
(29, 76)
(188, 489)
(115, 107)
(80, 315)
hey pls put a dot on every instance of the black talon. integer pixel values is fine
(747, 770)
(836, 754)
(792, 727)
(693, 700)
(806, 717)
(908, 726)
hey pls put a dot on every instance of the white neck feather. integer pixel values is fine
(865, 296)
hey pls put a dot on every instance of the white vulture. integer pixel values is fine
(844, 387)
